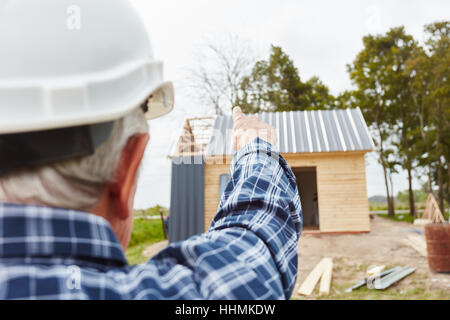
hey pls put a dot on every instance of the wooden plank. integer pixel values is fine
(432, 212)
(311, 280)
(341, 186)
(422, 222)
(418, 240)
(371, 271)
(325, 282)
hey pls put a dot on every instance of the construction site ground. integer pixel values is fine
(353, 253)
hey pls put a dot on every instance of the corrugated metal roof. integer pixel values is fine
(303, 132)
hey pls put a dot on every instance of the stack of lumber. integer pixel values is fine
(323, 271)
(432, 213)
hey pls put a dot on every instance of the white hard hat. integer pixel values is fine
(67, 63)
(68, 69)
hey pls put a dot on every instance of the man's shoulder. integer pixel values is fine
(52, 280)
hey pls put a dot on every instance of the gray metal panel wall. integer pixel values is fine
(187, 198)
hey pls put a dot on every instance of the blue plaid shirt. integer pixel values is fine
(249, 252)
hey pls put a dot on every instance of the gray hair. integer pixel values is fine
(74, 184)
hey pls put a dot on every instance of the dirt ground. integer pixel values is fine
(152, 250)
(353, 254)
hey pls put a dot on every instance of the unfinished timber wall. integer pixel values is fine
(341, 188)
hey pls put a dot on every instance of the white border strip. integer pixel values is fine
(294, 138)
(316, 130)
(347, 129)
(286, 141)
(355, 131)
(324, 132)
(338, 126)
(277, 125)
(308, 132)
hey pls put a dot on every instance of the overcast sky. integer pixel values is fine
(321, 37)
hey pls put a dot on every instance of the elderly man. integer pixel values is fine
(77, 85)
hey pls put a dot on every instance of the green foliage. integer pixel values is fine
(403, 91)
(134, 254)
(381, 92)
(146, 231)
(419, 196)
(429, 87)
(144, 234)
(275, 85)
(155, 211)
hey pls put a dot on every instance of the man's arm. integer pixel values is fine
(250, 250)
(262, 199)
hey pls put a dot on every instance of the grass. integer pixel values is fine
(392, 293)
(382, 206)
(403, 217)
(144, 234)
(155, 211)
(420, 207)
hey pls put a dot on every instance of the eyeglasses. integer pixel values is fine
(160, 103)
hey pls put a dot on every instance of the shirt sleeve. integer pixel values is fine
(250, 249)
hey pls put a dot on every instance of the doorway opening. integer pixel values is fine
(307, 187)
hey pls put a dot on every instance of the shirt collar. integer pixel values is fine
(37, 231)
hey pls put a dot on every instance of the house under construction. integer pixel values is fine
(325, 149)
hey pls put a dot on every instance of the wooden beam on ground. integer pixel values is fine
(325, 281)
(375, 270)
(311, 280)
(422, 222)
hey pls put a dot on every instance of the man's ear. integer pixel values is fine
(127, 171)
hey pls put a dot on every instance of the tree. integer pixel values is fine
(438, 46)
(428, 71)
(377, 76)
(404, 120)
(222, 63)
(346, 99)
(403, 90)
(275, 85)
(319, 96)
(418, 71)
